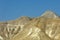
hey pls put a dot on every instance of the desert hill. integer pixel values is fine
(45, 27)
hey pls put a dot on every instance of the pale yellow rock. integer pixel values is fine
(45, 27)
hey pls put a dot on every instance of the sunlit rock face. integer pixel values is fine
(45, 27)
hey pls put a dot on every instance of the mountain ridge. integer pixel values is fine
(26, 28)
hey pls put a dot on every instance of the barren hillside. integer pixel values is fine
(45, 27)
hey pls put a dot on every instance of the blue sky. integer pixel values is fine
(13, 9)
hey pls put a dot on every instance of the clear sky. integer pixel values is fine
(13, 9)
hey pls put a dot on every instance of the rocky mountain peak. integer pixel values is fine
(49, 14)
